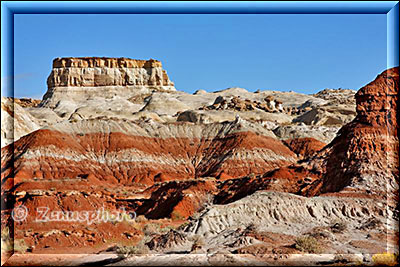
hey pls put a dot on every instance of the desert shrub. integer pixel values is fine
(140, 248)
(385, 259)
(177, 216)
(141, 218)
(167, 229)
(307, 244)
(320, 232)
(151, 229)
(20, 246)
(338, 227)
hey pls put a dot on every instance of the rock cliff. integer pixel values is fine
(90, 76)
(365, 154)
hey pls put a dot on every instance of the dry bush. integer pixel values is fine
(151, 229)
(139, 249)
(141, 218)
(176, 216)
(20, 246)
(251, 228)
(307, 244)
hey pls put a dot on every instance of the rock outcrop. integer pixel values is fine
(327, 115)
(92, 72)
(337, 96)
(323, 134)
(27, 102)
(365, 155)
(268, 104)
(15, 121)
(304, 147)
(81, 78)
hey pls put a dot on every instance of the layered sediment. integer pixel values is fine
(126, 152)
(81, 78)
(365, 154)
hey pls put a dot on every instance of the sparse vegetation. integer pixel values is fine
(338, 227)
(139, 249)
(183, 226)
(151, 229)
(20, 246)
(141, 218)
(307, 244)
(176, 216)
(156, 229)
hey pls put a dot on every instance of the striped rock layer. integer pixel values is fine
(129, 153)
(365, 154)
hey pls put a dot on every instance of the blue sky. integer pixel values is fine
(303, 53)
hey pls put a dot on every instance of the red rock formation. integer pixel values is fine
(126, 159)
(176, 199)
(365, 154)
(304, 147)
(291, 179)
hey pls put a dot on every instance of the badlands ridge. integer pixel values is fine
(223, 176)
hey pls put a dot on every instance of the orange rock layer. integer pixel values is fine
(125, 159)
